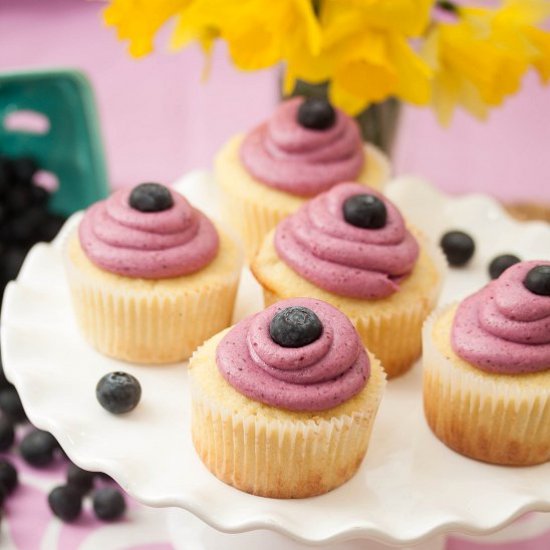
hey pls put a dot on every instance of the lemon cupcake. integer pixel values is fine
(283, 403)
(487, 369)
(151, 277)
(305, 148)
(350, 247)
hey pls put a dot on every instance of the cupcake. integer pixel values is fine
(305, 148)
(487, 369)
(151, 277)
(283, 403)
(350, 247)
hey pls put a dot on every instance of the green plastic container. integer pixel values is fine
(71, 148)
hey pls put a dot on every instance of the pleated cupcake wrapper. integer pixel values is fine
(395, 337)
(282, 458)
(149, 326)
(493, 418)
(254, 219)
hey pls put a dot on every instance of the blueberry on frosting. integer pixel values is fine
(151, 197)
(501, 263)
(538, 280)
(316, 114)
(295, 327)
(365, 211)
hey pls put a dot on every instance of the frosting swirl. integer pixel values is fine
(315, 377)
(322, 247)
(504, 328)
(150, 245)
(284, 155)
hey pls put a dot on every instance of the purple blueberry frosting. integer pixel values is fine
(150, 245)
(315, 377)
(334, 255)
(283, 154)
(504, 328)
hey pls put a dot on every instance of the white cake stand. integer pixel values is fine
(410, 488)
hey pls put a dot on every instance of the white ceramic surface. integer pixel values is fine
(409, 488)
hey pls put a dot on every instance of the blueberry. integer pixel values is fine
(365, 211)
(39, 195)
(38, 448)
(151, 197)
(65, 502)
(80, 479)
(26, 227)
(8, 476)
(52, 224)
(538, 280)
(18, 200)
(118, 392)
(4, 382)
(11, 406)
(295, 326)
(23, 169)
(7, 433)
(501, 263)
(458, 247)
(109, 504)
(316, 114)
(12, 261)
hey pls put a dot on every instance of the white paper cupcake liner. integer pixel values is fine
(282, 458)
(502, 419)
(164, 324)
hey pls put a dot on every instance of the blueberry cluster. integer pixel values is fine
(40, 449)
(24, 215)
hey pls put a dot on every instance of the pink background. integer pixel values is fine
(160, 120)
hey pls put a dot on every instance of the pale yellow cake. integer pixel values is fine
(390, 327)
(497, 418)
(273, 452)
(152, 321)
(253, 208)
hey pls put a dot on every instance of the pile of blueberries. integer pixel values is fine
(40, 449)
(24, 216)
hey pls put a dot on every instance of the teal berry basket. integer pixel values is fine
(64, 139)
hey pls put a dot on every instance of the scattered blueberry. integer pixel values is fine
(8, 476)
(3, 495)
(151, 197)
(4, 382)
(38, 448)
(109, 504)
(118, 392)
(23, 169)
(65, 502)
(316, 114)
(458, 247)
(365, 211)
(80, 479)
(501, 263)
(295, 326)
(7, 433)
(10, 405)
(12, 261)
(538, 280)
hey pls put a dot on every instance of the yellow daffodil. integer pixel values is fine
(365, 53)
(139, 20)
(366, 50)
(258, 34)
(481, 58)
